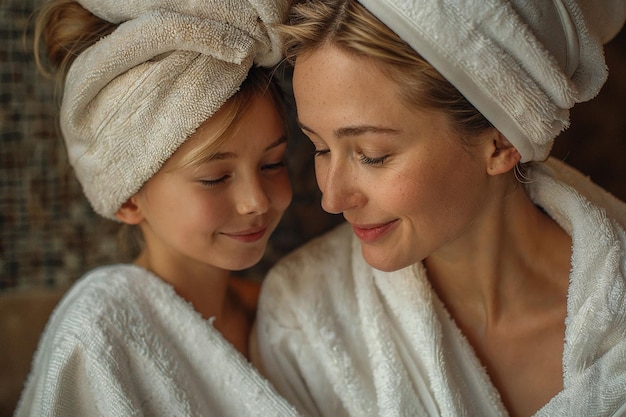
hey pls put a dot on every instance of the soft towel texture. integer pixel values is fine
(134, 97)
(339, 338)
(522, 64)
(123, 343)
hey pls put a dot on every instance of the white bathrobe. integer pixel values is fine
(338, 337)
(123, 343)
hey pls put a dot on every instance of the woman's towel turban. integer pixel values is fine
(135, 96)
(522, 63)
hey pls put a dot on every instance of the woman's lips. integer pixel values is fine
(251, 235)
(373, 232)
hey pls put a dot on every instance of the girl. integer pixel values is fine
(472, 278)
(172, 126)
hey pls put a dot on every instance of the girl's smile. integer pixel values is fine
(247, 236)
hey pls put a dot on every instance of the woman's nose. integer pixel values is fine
(338, 184)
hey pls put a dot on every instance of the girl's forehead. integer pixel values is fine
(232, 132)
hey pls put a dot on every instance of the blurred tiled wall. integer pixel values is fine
(49, 236)
(47, 232)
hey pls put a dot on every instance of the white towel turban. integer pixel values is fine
(135, 96)
(522, 63)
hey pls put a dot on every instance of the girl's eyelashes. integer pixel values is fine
(275, 165)
(224, 178)
(215, 182)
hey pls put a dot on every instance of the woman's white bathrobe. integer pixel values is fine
(338, 337)
(123, 343)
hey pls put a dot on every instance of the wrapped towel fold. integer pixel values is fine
(522, 64)
(135, 96)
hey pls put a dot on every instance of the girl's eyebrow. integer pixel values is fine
(354, 130)
(221, 156)
(278, 142)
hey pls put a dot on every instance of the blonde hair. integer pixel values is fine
(226, 120)
(64, 29)
(347, 25)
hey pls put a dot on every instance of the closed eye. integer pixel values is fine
(215, 182)
(276, 165)
(372, 161)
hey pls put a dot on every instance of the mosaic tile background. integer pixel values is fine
(49, 236)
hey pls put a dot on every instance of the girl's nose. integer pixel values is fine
(252, 198)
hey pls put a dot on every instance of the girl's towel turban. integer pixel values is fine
(133, 98)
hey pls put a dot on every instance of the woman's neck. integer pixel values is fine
(510, 258)
(505, 285)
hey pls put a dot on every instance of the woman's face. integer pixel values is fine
(401, 176)
(220, 212)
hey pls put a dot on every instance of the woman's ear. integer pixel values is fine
(503, 157)
(130, 212)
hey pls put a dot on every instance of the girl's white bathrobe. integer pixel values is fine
(338, 337)
(123, 343)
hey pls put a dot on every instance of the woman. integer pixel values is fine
(476, 276)
(172, 127)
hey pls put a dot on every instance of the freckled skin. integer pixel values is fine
(429, 184)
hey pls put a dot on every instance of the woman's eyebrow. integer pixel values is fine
(363, 129)
(354, 130)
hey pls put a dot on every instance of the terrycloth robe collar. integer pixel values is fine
(383, 343)
(122, 342)
(594, 358)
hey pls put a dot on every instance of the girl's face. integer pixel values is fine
(221, 212)
(401, 176)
